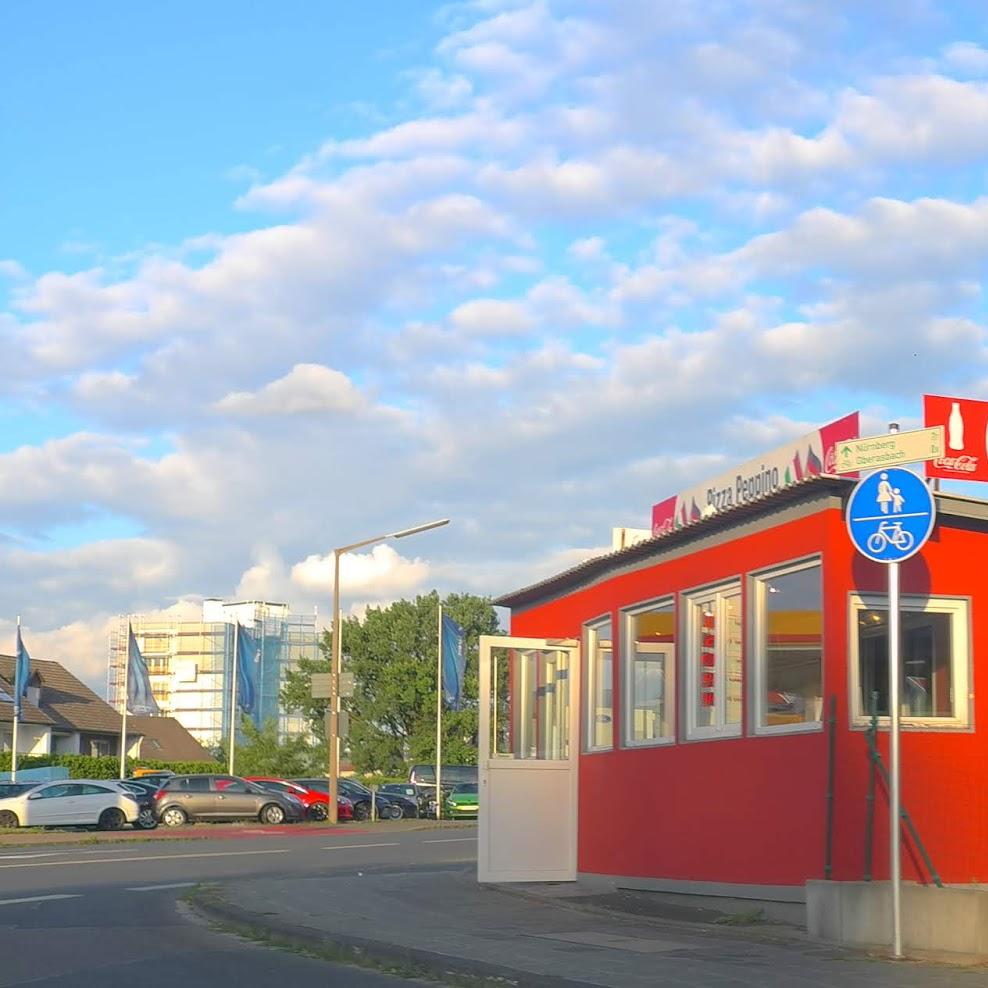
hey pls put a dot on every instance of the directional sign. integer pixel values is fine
(890, 450)
(322, 685)
(890, 515)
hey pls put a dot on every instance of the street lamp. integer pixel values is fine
(332, 737)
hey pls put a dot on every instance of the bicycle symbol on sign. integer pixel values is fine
(890, 533)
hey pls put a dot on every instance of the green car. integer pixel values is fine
(462, 801)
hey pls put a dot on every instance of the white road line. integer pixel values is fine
(146, 857)
(342, 847)
(37, 898)
(23, 857)
(449, 840)
(155, 888)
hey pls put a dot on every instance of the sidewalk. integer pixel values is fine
(437, 920)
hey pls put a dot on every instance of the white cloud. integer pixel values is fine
(13, 270)
(305, 389)
(587, 249)
(484, 317)
(381, 571)
(604, 241)
(966, 57)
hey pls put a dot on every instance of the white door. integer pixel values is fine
(529, 746)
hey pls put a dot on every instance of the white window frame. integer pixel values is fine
(757, 595)
(628, 643)
(689, 602)
(959, 609)
(591, 630)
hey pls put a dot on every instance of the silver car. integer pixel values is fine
(188, 798)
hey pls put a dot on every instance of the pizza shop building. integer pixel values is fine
(681, 705)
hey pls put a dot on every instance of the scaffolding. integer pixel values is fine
(190, 663)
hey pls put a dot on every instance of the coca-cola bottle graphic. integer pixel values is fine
(955, 427)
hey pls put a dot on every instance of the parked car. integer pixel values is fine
(15, 788)
(387, 807)
(71, 803)
(316, 802)
(144, 791)
(462, 802)
(188, 798)
(360, 796)
(152, 774)
(405, 789)
(425, 775)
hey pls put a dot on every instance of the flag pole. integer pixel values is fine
(17, 703)
(233, 694)
(439, 718)
(125, 698)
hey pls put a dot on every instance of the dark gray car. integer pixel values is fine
(187, 798)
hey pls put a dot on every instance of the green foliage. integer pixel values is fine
(260, 752)
(105, 767)
(392, 653)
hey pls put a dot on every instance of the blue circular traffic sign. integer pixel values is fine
(890, 515)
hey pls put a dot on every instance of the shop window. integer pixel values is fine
(599, 706)
(934, 654)
(787, 611)
(649, 649)
(714, 663)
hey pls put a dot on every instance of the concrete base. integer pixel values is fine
(948, 920)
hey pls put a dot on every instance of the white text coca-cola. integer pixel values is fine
(962, 464)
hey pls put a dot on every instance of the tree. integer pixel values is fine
(259, 751)
(392, 653)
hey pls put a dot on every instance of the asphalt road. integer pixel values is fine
(112, 915)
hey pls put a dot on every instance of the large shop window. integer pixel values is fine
(649, 643)
(787, 606)
(935, 656)
(599, 704)
(714, 666)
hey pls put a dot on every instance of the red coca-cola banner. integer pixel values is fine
(965, 424)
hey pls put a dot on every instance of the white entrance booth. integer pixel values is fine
(528, 751)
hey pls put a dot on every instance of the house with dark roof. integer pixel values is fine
(164, 739)
(61, 715)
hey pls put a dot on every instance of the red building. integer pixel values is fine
(710, 657)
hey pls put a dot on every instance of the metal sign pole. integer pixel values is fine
(895, 864)
(890, 515)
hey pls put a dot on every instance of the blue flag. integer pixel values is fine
(140, 700)
(247, 653)
(454, 662)
(22, 672)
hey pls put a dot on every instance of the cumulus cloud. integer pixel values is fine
(492, 317)
(305, 389)
(582, 251)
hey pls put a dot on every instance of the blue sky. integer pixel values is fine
(272, 278)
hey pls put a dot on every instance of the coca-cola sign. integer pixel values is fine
(965, 424)
(958, 464)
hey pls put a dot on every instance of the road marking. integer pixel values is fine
(37, 898)
(170, 885)
(342, 847)
(448, 840)
(22, 857)
(146, 857)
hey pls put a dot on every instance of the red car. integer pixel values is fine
(315, 802)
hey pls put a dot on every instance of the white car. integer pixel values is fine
(71, 803)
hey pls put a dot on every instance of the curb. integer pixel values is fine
(363, 951)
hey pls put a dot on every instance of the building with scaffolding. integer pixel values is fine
(190, 663)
